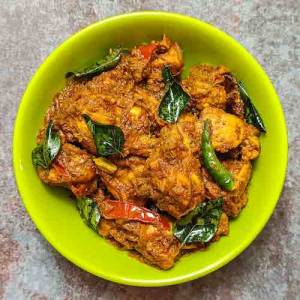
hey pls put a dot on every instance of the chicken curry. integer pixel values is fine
(156, 164)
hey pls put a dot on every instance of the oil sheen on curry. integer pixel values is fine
(156, 164)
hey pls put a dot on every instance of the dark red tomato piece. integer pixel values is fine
(114, 209)
(148, 50)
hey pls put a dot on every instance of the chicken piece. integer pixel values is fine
(67, 117)
(136, 126)
(158, 54)
(133, 119)
(150, 103)
(156, 245)
(130, 181)
(106, 99)
(174, 168)
(235, 200)
(137, 64)
(213, 86)
(72, 165)
(141, 145)
(172, 57)
(205, 86)
(250, 147)
(227, 130)
(110, 93)
(134, 64)
(233, 204)
(223, 228)
(72, 168)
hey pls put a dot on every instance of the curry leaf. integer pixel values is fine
(107, 63)
(109, 139)
(89, 212)
(51, 144)
(201, 224)
(252, 116)
(38, 158)
(174, 100)
(44, 154)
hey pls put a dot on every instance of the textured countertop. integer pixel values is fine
(31, 269)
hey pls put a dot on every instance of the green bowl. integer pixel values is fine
(53, 211)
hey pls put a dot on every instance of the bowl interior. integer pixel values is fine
(53, 211)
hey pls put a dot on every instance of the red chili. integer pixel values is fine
(115, 209)
(147, 50)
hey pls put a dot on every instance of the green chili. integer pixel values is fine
(211, 162)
